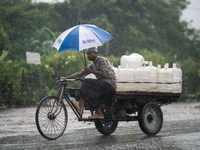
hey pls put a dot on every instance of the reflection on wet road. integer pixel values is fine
(174, 135)
(180, 131)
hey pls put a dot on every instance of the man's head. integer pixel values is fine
(92, 53)
(94, 49)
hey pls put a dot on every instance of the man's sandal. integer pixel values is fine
(95, 116)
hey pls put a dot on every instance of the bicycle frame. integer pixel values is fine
(63, 93)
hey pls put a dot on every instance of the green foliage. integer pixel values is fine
(4, 42)
(11, 83)
(115, 60)
(43, 41)
(13, 2)
(21, 23)
(67, 62)
(150, 28)
(5, 65)
(191, 72)
(155, 56)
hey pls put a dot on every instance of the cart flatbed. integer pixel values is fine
(160, 97)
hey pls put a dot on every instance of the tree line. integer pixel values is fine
(150, 28)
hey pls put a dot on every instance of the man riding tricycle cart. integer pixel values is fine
(105, 97)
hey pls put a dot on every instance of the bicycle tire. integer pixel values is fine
(106, 128)
(49, 126)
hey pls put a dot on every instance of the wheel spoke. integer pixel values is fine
(49, 125)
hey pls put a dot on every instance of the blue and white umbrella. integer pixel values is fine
(81, 37)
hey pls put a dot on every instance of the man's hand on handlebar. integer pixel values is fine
(62, 78)
(66, 79)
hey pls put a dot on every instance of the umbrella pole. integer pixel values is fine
(84, 57)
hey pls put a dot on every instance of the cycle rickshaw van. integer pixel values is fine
(141, 90)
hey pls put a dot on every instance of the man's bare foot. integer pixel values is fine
(81, 103)
(77, 105)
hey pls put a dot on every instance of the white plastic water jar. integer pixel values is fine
(165, 79)
(116, 70)
(142, 74)
(125, 79)
(133, 61)
(153, 85)
(142, 77)
(126, 75)
(125, 86)
(177, 79)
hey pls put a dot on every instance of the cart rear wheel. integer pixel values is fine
(105, 127)
(51, 118)
(150, 118)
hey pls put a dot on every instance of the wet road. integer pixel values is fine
(181, 130)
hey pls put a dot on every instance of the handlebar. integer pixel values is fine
(65, 80)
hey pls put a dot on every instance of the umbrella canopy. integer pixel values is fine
(81, 37)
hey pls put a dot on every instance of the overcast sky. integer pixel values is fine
(192, 13)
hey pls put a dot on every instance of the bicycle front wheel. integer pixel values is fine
(51, 117)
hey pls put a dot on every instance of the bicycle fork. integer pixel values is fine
(55, 110)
